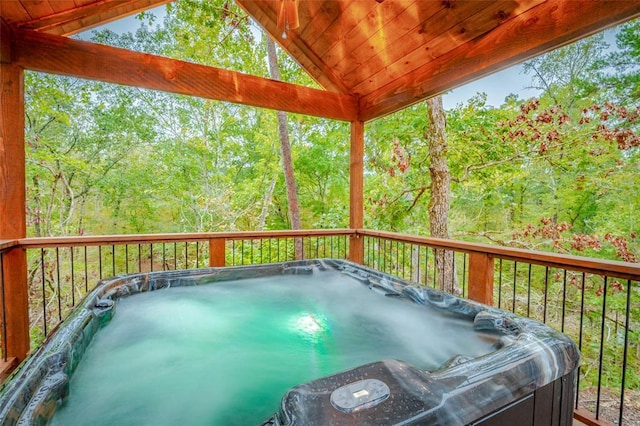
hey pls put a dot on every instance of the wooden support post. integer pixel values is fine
(481, 278)
(217, 248)
(12, 209)
(356, 190)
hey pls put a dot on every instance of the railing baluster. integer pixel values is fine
(100, 260)
(58, 284)
(529, 292)
(426, 266)
(175, 256)
(546, 293)
(625, 352)
(44, 293)
(564, 299)
(500, 284)
(73, 280)
(464, 274)
(601, 357)
(515, 278)
(86, 271)
(579, 335)
(435, 268)
(404, 246)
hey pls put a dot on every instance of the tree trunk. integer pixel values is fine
(436, 137)
(285, 149)
(262, 220)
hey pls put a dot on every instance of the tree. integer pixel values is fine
(624, 84)
(439, 203)
(285, 150)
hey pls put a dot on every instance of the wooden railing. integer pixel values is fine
(593, 301)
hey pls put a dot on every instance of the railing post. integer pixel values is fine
(481, 278)
(217, 248)
(356, 248)
(15, 303)
(13, 202)
(356, 192)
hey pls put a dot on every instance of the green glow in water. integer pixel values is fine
(225, 353)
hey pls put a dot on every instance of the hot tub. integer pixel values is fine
(296, 343)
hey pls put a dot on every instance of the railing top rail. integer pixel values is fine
(590, 265)
(611, 268)
(96, 240)
(7, 244)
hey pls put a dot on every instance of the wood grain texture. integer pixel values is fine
(15, 300)
(13, 11)
(549, 25)
(352, 15)
(384, 17)
(6, 48)
(87, 16)
(13, 210)
(12, 153)
(217, 248)
(404, 33)
(443, 32)
(36, 8)
(61, 55)
(356, 191)
(265, 14)
(480, 278)
(356, 176)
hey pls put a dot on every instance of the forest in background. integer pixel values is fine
(559, 172)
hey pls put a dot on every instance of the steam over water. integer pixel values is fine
(225, 353)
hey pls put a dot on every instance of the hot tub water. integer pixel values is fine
(225, 353)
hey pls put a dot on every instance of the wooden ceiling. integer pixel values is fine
(386, 54)
(66, 17)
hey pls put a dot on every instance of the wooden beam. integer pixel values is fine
(356, 185)
(102, 10)
(547, 26)
(6, 50)
(265, 14)
(13, 217)
(61, 55)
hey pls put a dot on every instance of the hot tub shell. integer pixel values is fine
(529, 379)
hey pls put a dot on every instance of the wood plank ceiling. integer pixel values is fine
(388, 54)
